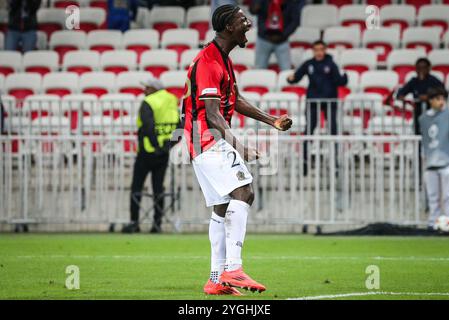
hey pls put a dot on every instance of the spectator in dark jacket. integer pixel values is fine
(22, 25)
(419, 86)
(121, 13)
(324, 80)
(276, 21)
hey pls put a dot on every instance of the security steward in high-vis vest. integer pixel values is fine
(157, 119)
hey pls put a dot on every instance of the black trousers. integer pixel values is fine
(157, 165)
(313, 113)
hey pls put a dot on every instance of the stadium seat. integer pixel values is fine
(434, 16)
(158, 61)
(381, 82)
(319, 16)
(92, 19)
(352, 86)
(447, 84)
(140, 40)
(104, 40)
(198, 18)
(130, 82)
(65, 3)
(339, 3)
(187, 58)
(60, 83)
(402, 16)
(251, 36)
(116, 104)
(42, 40)
(20, 85)
(167, 17)
(353, 15)
(378, 3)
(417, 3)
(180, 40)
(210, 34)
(389, 125)
(364, 106)
(440, 60)
(403, 61)
(359, 60)
(3, 19)
(421, 37)
(97, 125)
(10, 61)
(50, 125)
(118, 61)
(446, 40)
(40, 61)
(342, 37)
(259, 81)
(382, 40)
(279, 103)
(242, 59)
(41, 105)
(81, 61)
(66, 40)
(50, 20)
(2, 82)
(304, 37)
(299, 88)
(98, 83)
(174, 81)
(73, 105)
(2, 41)
(103, 4)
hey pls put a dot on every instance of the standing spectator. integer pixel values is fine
(22, 25)
(157, 119)
(434, 125)
(419, 86)
(324, 80)
(276, 21)
(121, 13)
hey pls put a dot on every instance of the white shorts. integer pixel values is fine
(220, 170)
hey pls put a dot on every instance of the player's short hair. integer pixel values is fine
(436, 92)
(319, 43)
(423, 60)
(222, 16)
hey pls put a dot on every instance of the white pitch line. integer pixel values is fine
(164, 257)
(371, 293)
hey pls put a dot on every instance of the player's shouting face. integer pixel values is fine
(238, 27)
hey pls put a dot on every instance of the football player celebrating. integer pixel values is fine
(210, 98)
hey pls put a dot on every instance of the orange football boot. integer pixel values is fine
(240, 279)
(219, 289)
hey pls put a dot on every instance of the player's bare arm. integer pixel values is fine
(216, 121)
(245, 108)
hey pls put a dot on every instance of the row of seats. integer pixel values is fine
(380, 3)
(22, 85)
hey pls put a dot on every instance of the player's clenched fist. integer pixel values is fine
(283, 123)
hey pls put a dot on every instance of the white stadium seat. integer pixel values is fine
(353, 15)
(40, 61)
(174, 81)
(158, 61)
(319, 16)
(131, 82)
(42, 40)
(50, 20)
(66, 40)
(198, 18)
(104, 40)
(299, 88)
(259, 81)
(437, 74)
(92, 18)
(440, 60)
(2, 83)
(140, 40)
(398, 15)
(72, 103)
(21, 85)
(60, 83)
(167, 17)
(41, 105)
(81, 61)
(421, 37)
(342, 37)
(359, 60)
(118, 61)
(304, 37)
(382, 40)
(434, 16)
(379, 81)
(117, 104)
(50, 125)
(97, 83)
(10, 61)
(403, 61)
(242, 59)
(187, 58)
(180, 40)
(2, 41)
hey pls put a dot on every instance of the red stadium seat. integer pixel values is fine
(180, 40)
(299, 89)
(65, 41)
(60, 83)
(353, 15)
(402, 16)
(359, 60)
(166, 18)
(259, 81)
(97, 83)
(303, 37)
(140, 40)
(81, 61)
(440, 61)
(50, 20)
(382, 40)
(10, 62)
(41, 61)
(380, 82)
(421, 37)
(21, 85)
(104, 40)
(174, 81)
(434, 16)
(417, 3)
(131, 82)
(92, 19)
(198, 18)
(158, 61)
(342, 37)
(118, 61)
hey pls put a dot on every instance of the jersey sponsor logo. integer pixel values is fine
(209, 91)
(240, 175)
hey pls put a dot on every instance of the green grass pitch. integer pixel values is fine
(115, 266)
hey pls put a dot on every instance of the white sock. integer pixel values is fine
(235, 226)
(218, 246)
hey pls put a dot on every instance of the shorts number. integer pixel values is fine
(234, 164)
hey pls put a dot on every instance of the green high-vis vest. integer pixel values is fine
(166, 117)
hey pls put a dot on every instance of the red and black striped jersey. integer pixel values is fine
(210, 76)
